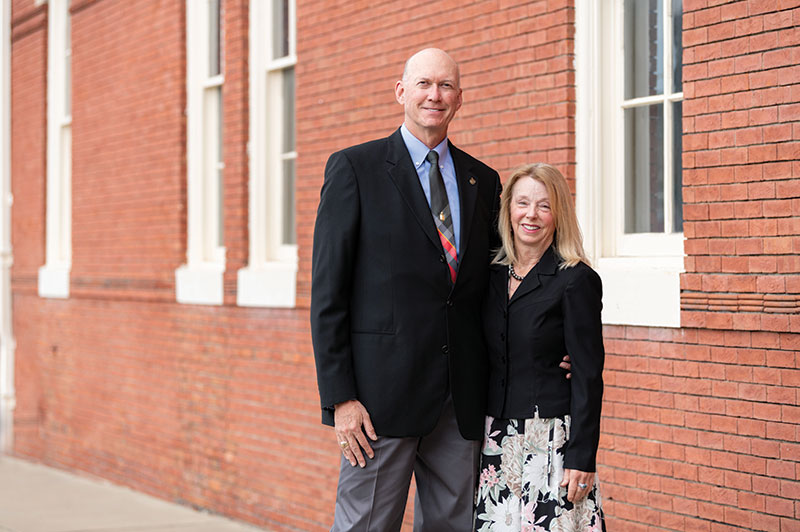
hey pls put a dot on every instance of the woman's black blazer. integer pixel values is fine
(553, 312)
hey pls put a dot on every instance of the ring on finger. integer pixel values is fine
(582, 486)
(344, 445)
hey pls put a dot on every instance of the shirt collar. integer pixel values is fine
(418, 150)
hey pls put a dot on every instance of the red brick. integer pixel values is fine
(762, 265)
(733, 192)
(719, 139)
(748, 209)
(788, 151)
(748, 63)
(721, 174)
(777, 208)
(779, 170)
(733, 119)
(761, 190)
(697, 142)
(760, 154)
(780, 469)
(695, 37)
(711, 122)
(782, 19)
(764, 7)
(775, 322)
(779, 506)
(788, 75)
(780, 431)
(777, 133)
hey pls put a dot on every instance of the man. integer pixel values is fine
(401, 249)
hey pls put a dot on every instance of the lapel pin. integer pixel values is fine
(471, 180)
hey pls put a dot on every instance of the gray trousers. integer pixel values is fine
(445, 466)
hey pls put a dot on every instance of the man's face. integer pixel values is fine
(430, 94)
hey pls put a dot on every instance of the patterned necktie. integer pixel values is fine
(440, 209)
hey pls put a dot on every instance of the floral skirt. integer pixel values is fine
(522, 465)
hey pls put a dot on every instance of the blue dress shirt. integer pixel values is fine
(418, 151)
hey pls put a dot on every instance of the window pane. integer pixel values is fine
(644, 43)
(677, 167)
(213, 38)
(644, 169)
(289, 229)
(280, 28)
(288, 110)
(677, 45)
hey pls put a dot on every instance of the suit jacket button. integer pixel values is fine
(449, 302)
(445, 349)
(441, 258)
(503, 337)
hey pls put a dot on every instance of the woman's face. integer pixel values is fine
(531, 218)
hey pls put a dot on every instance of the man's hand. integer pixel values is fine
(566, 365)
(349, 417)
(578, 484)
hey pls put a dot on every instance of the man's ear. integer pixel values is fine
(399, 92)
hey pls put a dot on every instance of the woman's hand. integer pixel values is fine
(578, 484)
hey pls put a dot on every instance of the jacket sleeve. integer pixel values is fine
(334, 253)
(583, 333)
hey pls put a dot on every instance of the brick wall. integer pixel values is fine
(516, 69)
(128, 156)
(28, 145)
(702, 423)
(216, 407)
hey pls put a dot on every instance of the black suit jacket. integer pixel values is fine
(388, 326)
(551, 313)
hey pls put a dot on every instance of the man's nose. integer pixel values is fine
(434, 93)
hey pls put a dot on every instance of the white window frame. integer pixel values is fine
(270, 278)
(640, 272)
(8, 398)
(200, 280)
(54, 274)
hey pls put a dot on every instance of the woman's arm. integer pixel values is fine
(583, 336)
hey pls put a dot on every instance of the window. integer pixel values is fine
(7, 342)
(54, 275)
(200, 279)
(269, 278)
(651, 107)
(628, 76)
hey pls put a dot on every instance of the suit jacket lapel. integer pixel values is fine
(404, 175)
(468, 193)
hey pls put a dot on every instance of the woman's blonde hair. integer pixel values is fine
(568, 241)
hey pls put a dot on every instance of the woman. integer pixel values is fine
(538, 459)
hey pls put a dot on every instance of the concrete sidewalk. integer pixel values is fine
(34, 498)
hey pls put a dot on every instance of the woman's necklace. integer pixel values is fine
(514, 274)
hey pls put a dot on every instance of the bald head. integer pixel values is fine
(430, 93)
(423, 57)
